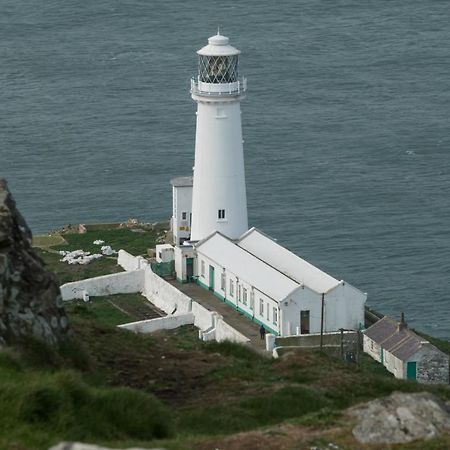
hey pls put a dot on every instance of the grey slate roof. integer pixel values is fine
(401, 343)
(182, 181)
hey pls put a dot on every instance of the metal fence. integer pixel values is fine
(163, 269)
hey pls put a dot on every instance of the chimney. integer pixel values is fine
(402, 325)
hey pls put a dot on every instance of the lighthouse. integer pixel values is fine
(219, 200)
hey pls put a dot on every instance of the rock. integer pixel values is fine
(30, 299)
(80, 446)
(401, 418)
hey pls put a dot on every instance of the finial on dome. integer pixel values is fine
(218, 31)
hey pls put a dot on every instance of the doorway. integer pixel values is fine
(189, 268)
(211, 278)
(304, 322)
(411, 370)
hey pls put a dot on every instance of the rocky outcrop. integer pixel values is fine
(80, 446)
(30, 300)
(401, 418)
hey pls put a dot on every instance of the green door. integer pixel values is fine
(211, 278)
(189, 268)
(411, 370)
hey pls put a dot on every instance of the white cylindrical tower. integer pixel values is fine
(219, 200)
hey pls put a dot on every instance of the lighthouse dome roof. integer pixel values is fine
(218, 45)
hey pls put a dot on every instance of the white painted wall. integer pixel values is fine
(393, 364)
(182, 202)
(372, 348)
(117, 283)
(225, 332)
(204, 319)
(269, 304)
(219, 177)
(345, 307)
(129, 262)
(181, 254)
(165, 296)
(303, 299)
(160, 323)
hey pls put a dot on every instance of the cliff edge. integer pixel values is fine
(30, 300)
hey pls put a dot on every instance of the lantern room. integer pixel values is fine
(218, 69)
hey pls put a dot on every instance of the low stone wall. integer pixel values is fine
(117, 283)
(129, 262)
(160, 323)
(165, 296)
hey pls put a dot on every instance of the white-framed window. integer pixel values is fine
(221, 214)
(184, 215)
(239, 293)
(231, 288)
(202, 269)
(268, 311)
(261, 307)
(244, 296)
(252, 300)
(275, 316)
(223, 281)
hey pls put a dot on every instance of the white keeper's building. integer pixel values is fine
(212, 243)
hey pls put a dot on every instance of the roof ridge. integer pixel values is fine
(310, 265)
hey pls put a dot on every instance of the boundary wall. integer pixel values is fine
(161, 323)
(129, 262)
(180, 309)
(225, 332)
(116, 283)
(165, 296)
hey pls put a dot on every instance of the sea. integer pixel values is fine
(346, 126)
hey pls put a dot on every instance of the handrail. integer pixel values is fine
(204, 89)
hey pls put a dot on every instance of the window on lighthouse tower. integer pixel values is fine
(221, 214)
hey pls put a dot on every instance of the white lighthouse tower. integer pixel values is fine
(219, 200)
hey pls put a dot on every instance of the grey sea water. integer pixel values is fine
(346, 126)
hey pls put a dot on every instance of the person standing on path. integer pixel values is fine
(262, 331)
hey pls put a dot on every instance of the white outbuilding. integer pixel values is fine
(275, 287)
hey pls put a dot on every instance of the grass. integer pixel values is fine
(99, 309)
(133, 242)
(115, 387)
(67, 273)
(252, 412)
(47, 241)
(41, 407)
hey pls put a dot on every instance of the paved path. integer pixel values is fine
(231, 316)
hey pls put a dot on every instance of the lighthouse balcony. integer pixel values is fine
(218, 89)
